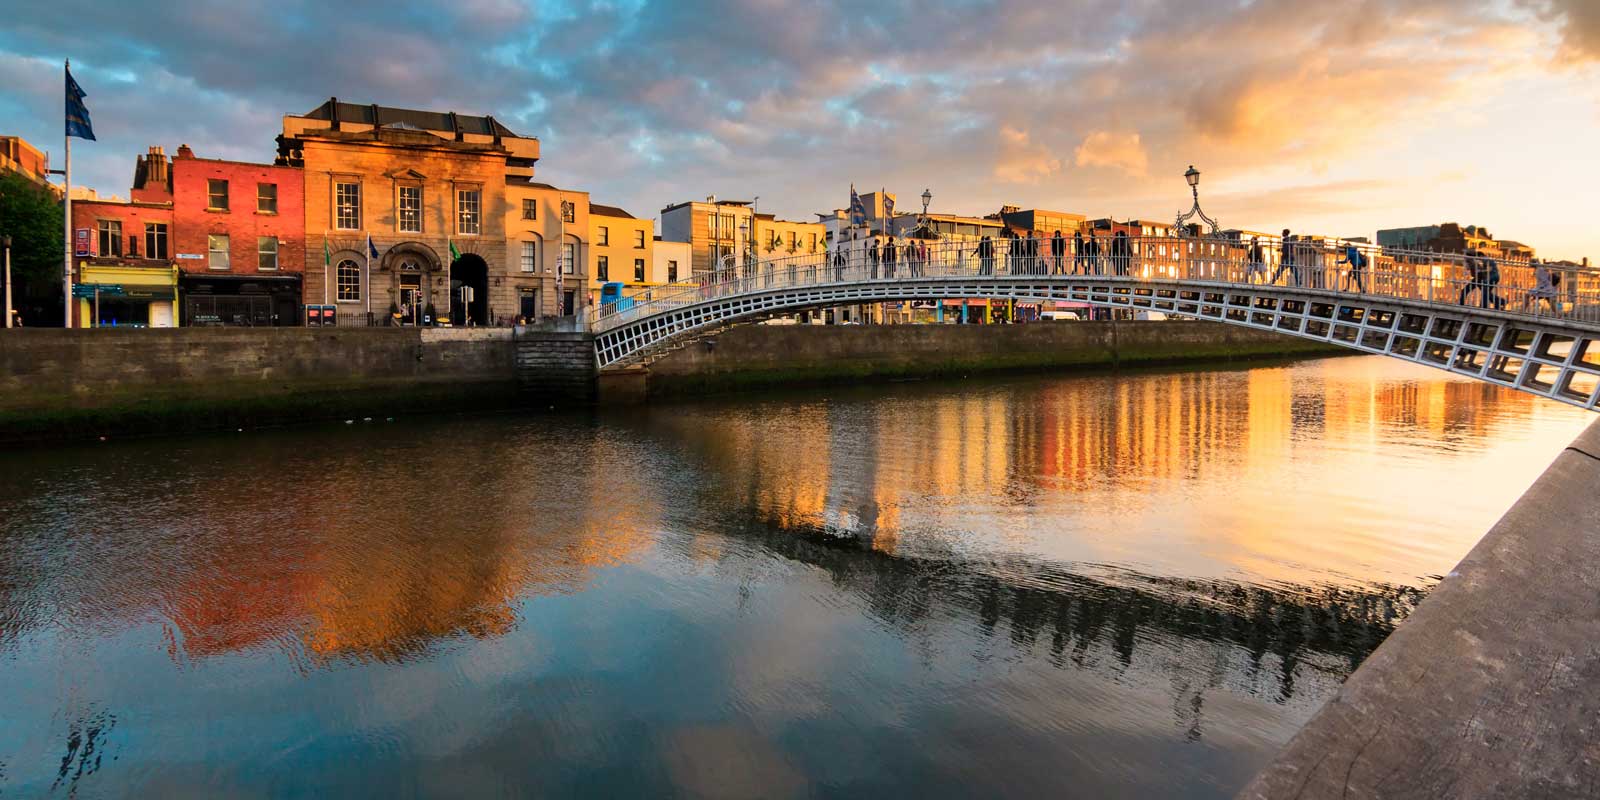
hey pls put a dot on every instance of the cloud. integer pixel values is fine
(1122, 151)
(1022, 161)
(1580, 24)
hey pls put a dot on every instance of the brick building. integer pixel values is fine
(123, 271)
(430, 190)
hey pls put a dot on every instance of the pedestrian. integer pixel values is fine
(873, 255)
(922, 257)
(1477, 279)
(1544, 288)
(1357, 260)
(1058, 251)
(1286, 261)
(1123, 249)
(1080, 254)
(1491, 277)
(889, 257)
(1257, 264)
(986, 256)
(1093, 246)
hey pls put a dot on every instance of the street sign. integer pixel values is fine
(89, 289)
(191, 256)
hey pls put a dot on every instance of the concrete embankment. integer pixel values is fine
(1492, 687)
(63, 384)
(756, 356)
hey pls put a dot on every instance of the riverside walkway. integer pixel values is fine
(1524, 325)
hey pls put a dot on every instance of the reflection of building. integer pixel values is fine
(621, 248)
(425, 186)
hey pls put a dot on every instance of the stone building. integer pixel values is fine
(715, 230)
(429, 190)
(547, 233)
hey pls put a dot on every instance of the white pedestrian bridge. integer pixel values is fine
(1526, 325)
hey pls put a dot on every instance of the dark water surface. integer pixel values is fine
(1133, 585)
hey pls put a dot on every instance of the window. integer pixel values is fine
(411, 209)
(672, 271)
(604, 237)
(566, 258)
(347, 206)
(530, 256)
(266, 253)
(530, 208)
(267, 198)
(813, 243)
(133, 245)
(568, 211)
(638, 240)
(217, 250)
(155, 240)
(469, 203)
(110, 237)
(791, 241)
(605, 267)
(638, 270)
(349, 281)
(216, 194)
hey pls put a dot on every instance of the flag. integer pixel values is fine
(888, 204)
(77, 114)
(454, 253)
(858, 212)
(327, 254)
(372, 249)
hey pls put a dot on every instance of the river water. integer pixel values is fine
(1091, 585)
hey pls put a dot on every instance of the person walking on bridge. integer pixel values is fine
(890, 255)
(1477, 279)
(1357, 261)
(1058, 252)
(1286, 260)
(986, 256)
(1256, 265)
(1544, 288)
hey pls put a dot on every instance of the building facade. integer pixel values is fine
(407, 210)
(621, 249)
(718, 231)
(17, 155)
(782, 238)
(670, 262)
(547, 232)
(123, 272)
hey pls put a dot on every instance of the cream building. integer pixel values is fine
(620, 249)
(671, 261)
(716, 230)
(548, 242)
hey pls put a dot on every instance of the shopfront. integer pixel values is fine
(117, 295)
(261, 301)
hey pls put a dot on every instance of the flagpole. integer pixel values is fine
(368, 293)
(66, 273)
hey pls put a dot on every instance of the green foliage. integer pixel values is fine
(31, 216)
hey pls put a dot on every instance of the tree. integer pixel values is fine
(31, 216)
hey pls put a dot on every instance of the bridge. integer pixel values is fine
(1524, 325)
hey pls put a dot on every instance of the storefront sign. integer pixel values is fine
(84, 242)
(191, 256)
(90, 289)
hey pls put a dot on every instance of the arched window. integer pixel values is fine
(349, 280)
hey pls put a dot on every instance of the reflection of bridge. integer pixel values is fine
(1521, 325)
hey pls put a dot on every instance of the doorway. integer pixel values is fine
(469, 271)
(410, 298)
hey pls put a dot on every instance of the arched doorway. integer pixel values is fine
(412, 298)
(469, 271)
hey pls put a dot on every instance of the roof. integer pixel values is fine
(595, 209)
(410, 118)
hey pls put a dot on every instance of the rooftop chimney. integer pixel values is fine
(184, 152)
(156, 165)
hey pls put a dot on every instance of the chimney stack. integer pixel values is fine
(156, 165)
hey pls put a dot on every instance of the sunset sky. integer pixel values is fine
(1337, 118)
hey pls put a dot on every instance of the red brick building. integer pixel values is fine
(122, 264)
(238, 236)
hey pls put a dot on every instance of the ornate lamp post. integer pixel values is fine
(1193, 177)
(927, 197)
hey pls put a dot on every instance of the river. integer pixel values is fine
(1135, 584)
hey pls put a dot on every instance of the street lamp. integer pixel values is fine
(927, 197)
(5, 241)
(1193, 177)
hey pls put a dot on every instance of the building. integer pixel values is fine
(621, 247)
(671, 261)
(1450, 237)
(17, 155)
(123, 265)
(429, 191)
(716, 230)
(1042, 221)
(782, 238)
(548, 281)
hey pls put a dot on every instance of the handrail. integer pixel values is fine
(1515, 287)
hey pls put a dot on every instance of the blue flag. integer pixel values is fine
(372, 249)
(888, 204)
(77, 114)
(858, 212)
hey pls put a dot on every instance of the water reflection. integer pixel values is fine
(1146, 580)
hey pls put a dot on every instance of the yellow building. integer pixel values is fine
(550, 278)
(782, 238)
(621, 251)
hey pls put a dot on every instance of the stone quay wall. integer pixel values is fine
(756, 356)
(71, 384)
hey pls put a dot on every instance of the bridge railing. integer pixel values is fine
(1512, 286)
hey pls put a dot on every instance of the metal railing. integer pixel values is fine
(1514, 287)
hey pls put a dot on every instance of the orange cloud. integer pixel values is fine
(1021, 160)
(1124, 151)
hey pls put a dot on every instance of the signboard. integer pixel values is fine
(191, 256)
(83, 242)
(319, 316)
(104, 289)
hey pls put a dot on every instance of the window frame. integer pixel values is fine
(530, 208)
(569, 254)
(529, 262)
(569, 211)
(602, 237)
(261, 253)
(339, 205)
(602, 268)
(400, 209)
(154, 232)
(212, 194)
(104, 235)
(638, 239)
(266, 197)
(672, 270)
(638, 270)
(476, 211)
(341, 295)
(212, 250)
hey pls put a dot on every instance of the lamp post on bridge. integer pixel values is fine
(1193, 177)
(927, 197)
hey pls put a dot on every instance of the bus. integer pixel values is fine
(611, 293)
